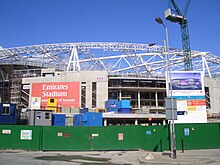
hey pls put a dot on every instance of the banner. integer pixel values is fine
(187, 83)
(66, 93)
(188, 89)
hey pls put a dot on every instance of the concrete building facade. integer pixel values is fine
(145, 93)
(93, 90)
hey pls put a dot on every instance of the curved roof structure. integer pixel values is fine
(114, 57)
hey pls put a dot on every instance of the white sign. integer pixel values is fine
(59, 134)
(188, 89)
(26, 86)
(35, 102)
(6, 105)
(26, 135)
(6, 131)
(95, 135)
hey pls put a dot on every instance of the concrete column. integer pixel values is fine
(136, 122)
(139, 99)
(105, 122)
(156, 99)
(120, 94)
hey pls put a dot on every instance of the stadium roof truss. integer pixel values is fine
(116, 58)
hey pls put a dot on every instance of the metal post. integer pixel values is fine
(170, 94)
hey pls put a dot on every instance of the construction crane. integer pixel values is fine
(180, 18)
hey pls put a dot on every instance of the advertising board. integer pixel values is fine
(187, 83)
(188, 89)
(66, 93)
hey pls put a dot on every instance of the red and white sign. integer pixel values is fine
(59, 134)
(6, 131)
(66, 93)
(120, 136)
(196, 102)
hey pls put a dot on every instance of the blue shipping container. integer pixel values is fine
(124, 110)
(5, 119)
(92, 119)
(58, 119)
(123, 104)
(111, 103)
(88, 119)
(77, 120)
(8, 114)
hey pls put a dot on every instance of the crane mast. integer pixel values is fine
(180, 18)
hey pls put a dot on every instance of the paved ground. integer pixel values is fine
(20, 157)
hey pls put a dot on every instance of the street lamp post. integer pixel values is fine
(169, 94)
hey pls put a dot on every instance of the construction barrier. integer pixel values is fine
(150, 138)
(20, 137)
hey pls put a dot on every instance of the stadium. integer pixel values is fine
(99, 71)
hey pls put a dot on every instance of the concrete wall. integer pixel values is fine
(214, 89)
(100, 77)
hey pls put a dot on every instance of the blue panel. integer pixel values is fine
(77, 120)
(83, 110)
(93, 119)
(111, 103)
(181, 112)
(189, 97)
(10, 118)
(84, 117)
(1, 106)
(59, 119)
(123, 104)
(7, 119)
(12, 109)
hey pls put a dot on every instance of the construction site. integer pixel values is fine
(129, 83)
(135, 72)
(111, 96)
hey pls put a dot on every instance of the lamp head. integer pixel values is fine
(159, 20)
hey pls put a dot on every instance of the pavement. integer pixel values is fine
(192, 157)
(188, 157)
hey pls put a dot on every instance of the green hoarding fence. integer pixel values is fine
(150, 138)
(197, 136)
(155, 138)
(116, 138)
(91, 138)
(66, 138)
(20, 137)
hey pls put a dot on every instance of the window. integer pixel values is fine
(93, 94)
(207, 98)
(5, 110)
(38, 115)
(83, 94)
(47, 115)
(52, 100)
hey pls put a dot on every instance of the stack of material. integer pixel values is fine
(145, 110)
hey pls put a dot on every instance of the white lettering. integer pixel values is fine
(69, 100)
(55, 87)
(54, 94)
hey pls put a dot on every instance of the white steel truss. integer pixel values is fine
(116, 58)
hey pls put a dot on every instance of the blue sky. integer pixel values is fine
(32, 22)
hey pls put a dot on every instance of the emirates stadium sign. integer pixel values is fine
(66, 93)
